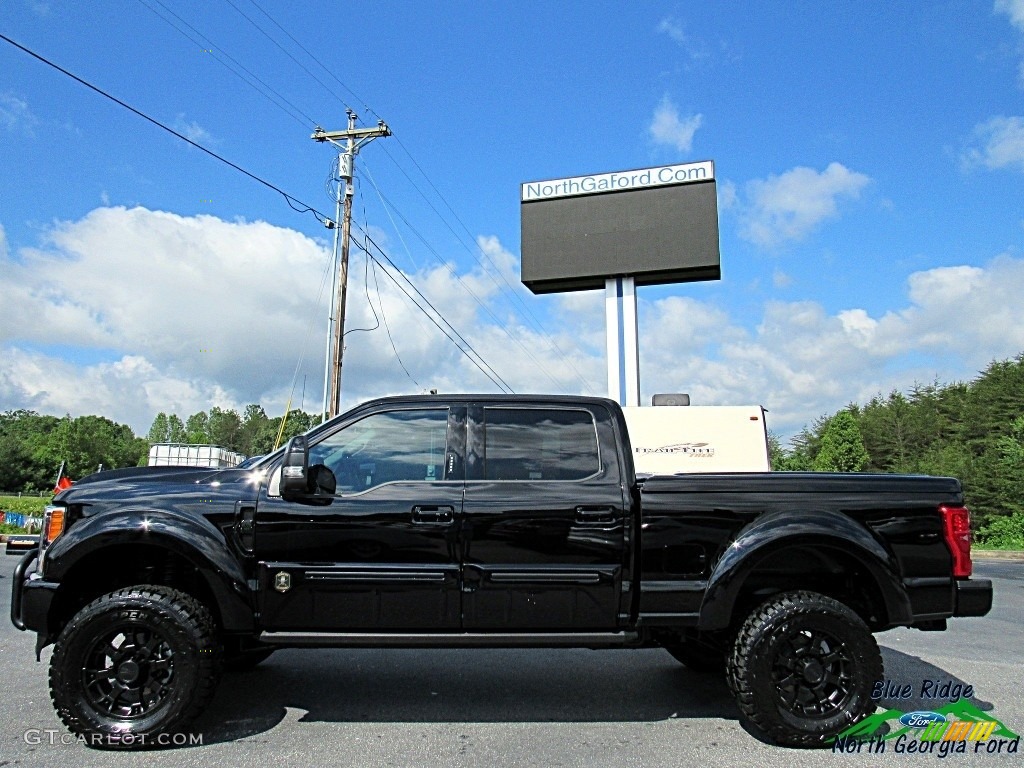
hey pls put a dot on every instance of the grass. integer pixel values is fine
(30, 506)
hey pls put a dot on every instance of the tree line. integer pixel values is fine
(32, 446)
(973, 431)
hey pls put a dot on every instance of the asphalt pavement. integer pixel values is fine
(514, 707)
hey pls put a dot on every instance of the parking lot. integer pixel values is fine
(511, 707)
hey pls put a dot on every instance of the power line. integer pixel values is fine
(366, 287)
(479, 363)
(478, 360)
(385, 318)
(290, 199)
(283, 49)
(319, 63)
(458, 279)
(529, 316)
(476, 248)
(217, 52)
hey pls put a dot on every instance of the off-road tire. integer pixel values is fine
(134, 667)
(803, 667)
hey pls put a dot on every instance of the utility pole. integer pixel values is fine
(354, 139)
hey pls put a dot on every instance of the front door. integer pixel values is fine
(544, 520)
(382, 553)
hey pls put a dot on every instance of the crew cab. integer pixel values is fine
(486, 521)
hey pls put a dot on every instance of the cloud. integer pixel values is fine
(15, 115)
(183, 294)
(192, 130)
(801, 361)
(188, 312)
(131, 389)
(667, 128)
(793, 204)
(780, 279)
(1014, 9)
(694, 48)
(127, 312)
(1001, 142)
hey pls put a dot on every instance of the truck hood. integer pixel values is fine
(133, 482)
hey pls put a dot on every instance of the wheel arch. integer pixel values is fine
(121, 549)
(826, 552)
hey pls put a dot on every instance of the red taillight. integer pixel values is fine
(956, 525)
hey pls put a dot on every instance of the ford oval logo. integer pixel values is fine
(921, 719)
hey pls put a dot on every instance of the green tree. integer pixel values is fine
(197, 429)
(842, 447)
(224, 428)
(175, 429)
(254, 419)
(160, 432)
(32, 448)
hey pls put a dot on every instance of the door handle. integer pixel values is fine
(592, 515)
(426, 514)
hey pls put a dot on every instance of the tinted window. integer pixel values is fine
(539, 444)
(385, 448)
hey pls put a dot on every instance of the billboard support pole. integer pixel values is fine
(621, 335)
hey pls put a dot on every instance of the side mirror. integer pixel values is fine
(295, 469)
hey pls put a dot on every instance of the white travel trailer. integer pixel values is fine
(673, 439)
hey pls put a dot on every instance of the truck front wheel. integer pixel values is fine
(803, 667)
(134, 667)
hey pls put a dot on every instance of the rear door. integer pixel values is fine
(544, 519)
(383, 552)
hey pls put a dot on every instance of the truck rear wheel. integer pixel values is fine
(803, 667)
(134, 667)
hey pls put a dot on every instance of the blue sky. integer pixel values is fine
(869, 160)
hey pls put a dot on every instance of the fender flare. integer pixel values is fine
(194, 539)
(773, 532)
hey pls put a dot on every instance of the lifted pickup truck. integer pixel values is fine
(486, 521)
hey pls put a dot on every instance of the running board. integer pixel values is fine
(451, 639)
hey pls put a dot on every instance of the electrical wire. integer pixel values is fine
(479, 363)
(530, 317)
(285, 51)
(528, 313)
(290, 199)
(386, 326)
(309, 53)
(466, 348)
(302, 354)
(498, 323)
(291, 110)
(366, 286)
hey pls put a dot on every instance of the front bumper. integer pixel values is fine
(973, 597)
(31, 597)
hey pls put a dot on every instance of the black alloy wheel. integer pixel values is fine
(129, 672)
(814, 674)
(134, 667)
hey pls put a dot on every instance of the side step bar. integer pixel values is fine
(451, 639)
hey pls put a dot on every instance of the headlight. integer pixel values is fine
(53, 525)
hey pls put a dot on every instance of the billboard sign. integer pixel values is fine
(656, 225)
(619, 181)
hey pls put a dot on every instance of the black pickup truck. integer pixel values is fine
(441, 521)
